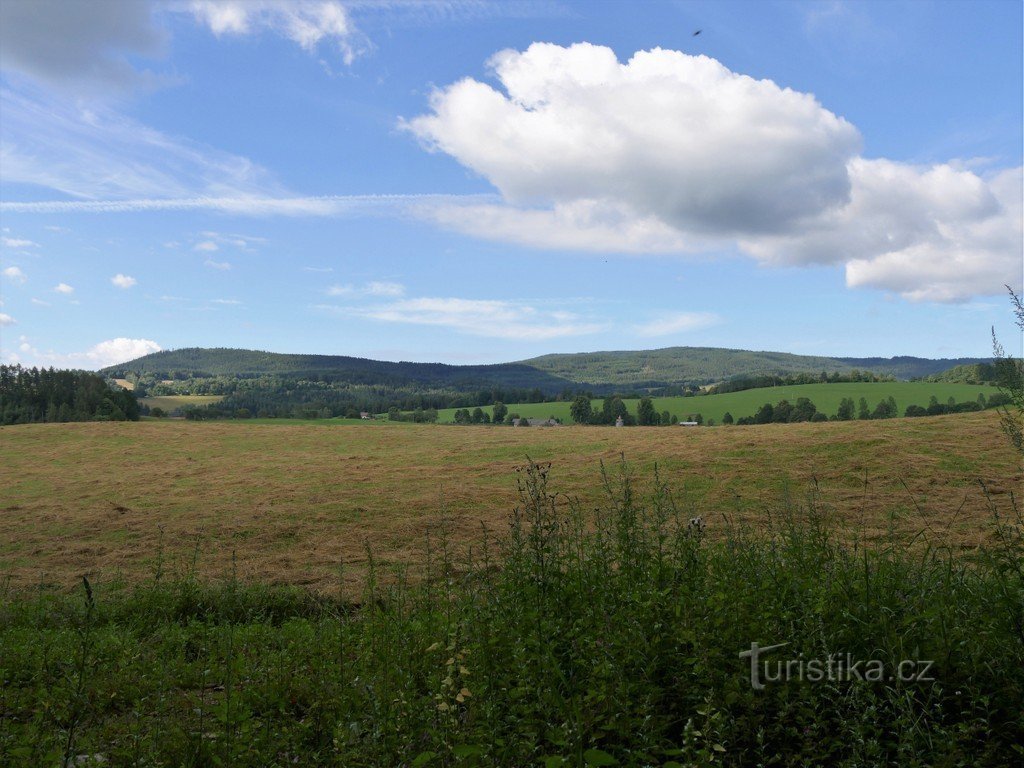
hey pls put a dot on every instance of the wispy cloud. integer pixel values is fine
(328, 205)
(223, 266)
(676, 322)
(476, 317)
(14, 242)
(64, 288)
(375, 288)
(96, 153)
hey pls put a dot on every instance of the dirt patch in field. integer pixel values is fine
(309, 504)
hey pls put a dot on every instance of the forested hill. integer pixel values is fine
(550, 373)
(245, 363)
(705, 365)
(910, 367)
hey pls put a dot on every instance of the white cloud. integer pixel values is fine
(227, 302)
(252, 205)
(6, 319)
(679, 137)
(223, 266)
(305, 22)
(676, 322)
(492, 319)
(123, 281)
(110, 352)
(63, 288)
(14, 274)
(40, 302)
(369, 289)
(207, 245)
(318, 269)
(14, 242)
(671, 153)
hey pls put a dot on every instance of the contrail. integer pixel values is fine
(327, 205)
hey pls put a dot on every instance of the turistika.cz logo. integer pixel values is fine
(836, 667)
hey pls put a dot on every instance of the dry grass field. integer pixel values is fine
(292, 503)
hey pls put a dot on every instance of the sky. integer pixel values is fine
(478, 182)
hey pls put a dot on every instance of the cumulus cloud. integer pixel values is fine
(476, 317)
(305, 22)
(64, 288)
(110, 352)
(6, 319)
(672, 153)
(15, 275)
(123, 281)
(207, 245)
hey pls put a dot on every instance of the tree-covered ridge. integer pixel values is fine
(243, 363)
(29, 395)
(598, 371)
(709, 365)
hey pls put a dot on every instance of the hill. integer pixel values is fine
(599, 371)
(244, 363)
(706, 365)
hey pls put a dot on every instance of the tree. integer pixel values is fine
(1009, 377)
(462, 416)
(804, 410)
(666, 418)
(862, 409)
(646, 416)
(727, 418)
(764, 414)
(499, 412)
(581, 410)
(783, 412)
(846, 409)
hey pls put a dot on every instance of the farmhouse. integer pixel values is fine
(535, 422)
(365, 415)
(689, 423)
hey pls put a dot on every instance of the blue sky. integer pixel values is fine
(482, 182)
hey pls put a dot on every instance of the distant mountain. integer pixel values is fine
(599, 371)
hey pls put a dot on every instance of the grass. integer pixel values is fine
(292, 501)
(585, 634)
(174, 402)
(825, 396)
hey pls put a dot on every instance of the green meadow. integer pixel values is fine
(174, 402)
(825, 396)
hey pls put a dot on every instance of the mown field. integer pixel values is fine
(825, 396)
(292, 503)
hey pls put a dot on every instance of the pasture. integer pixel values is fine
(171, 403)
(825, 396)
(294, 503)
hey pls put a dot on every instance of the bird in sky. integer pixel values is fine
(697, 32)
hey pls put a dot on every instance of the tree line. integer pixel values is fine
(33, 395)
